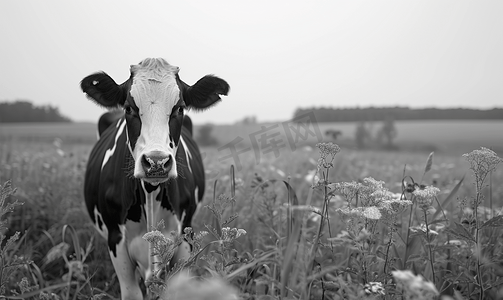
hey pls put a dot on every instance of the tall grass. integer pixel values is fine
(305, 225)
(371, 257)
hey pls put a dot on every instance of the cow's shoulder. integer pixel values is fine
(109, 184)
(107, 119)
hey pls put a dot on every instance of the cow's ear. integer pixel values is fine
(205, 92)
(103, 90)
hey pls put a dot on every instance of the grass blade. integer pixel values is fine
(233, 182)
(37, 292)
(429, 162)
(293, 236)
(448, 199)
(75, 240)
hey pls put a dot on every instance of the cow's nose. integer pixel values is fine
(156, 164)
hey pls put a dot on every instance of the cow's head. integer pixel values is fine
(154, 99)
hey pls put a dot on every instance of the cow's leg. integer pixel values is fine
(125, 270)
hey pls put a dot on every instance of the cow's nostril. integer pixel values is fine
(166, 164)
(146, 162)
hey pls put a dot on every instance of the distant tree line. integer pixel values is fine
(25, 111)
(328, 114)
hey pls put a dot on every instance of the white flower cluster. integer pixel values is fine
(230, 234)
(425, 197)
(374, 288)
(482, 161)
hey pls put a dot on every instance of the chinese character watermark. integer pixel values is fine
(272, 139)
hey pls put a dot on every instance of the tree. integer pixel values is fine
(361, 135)
(25, 111)
(387, 133)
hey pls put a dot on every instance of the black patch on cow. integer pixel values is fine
(135, 211)
(150, 188)
(187, 123)
(169, 188)
(175, 123)
(133, 129)
(205, 92)
(114, 238)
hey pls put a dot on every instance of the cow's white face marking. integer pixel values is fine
(155, 92)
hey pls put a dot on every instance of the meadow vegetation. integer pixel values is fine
(317, 222)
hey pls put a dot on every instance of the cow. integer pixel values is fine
(145, 166)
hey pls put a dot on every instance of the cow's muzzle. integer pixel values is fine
(156, 164)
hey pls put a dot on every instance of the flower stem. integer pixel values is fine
(387, 250)
(430, 252)
(478, 187)
(407, 237)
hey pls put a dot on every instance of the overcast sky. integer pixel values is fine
(276, 55)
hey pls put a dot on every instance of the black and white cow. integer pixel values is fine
(145, 167)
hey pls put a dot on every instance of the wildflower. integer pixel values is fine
(370, 212)
(394, 206)
(423, 229)
(416, 287)
(194, 239)
(230, 234)
(157, 237)
(482, 162)
(162, 245)
(327, 149)
(381, 194)
(327, 156)
(425, 197)
(375, 288)
(373, 184)
(240, 232)
(24, 285)
(370, 192)
(51, 296)
(427, 232)
(459, 243)
(347, 189)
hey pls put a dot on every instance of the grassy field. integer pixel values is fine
(330, 246)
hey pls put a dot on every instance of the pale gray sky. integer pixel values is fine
(276, 55)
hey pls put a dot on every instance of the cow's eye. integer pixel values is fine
(180, 110)
(128, 110)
